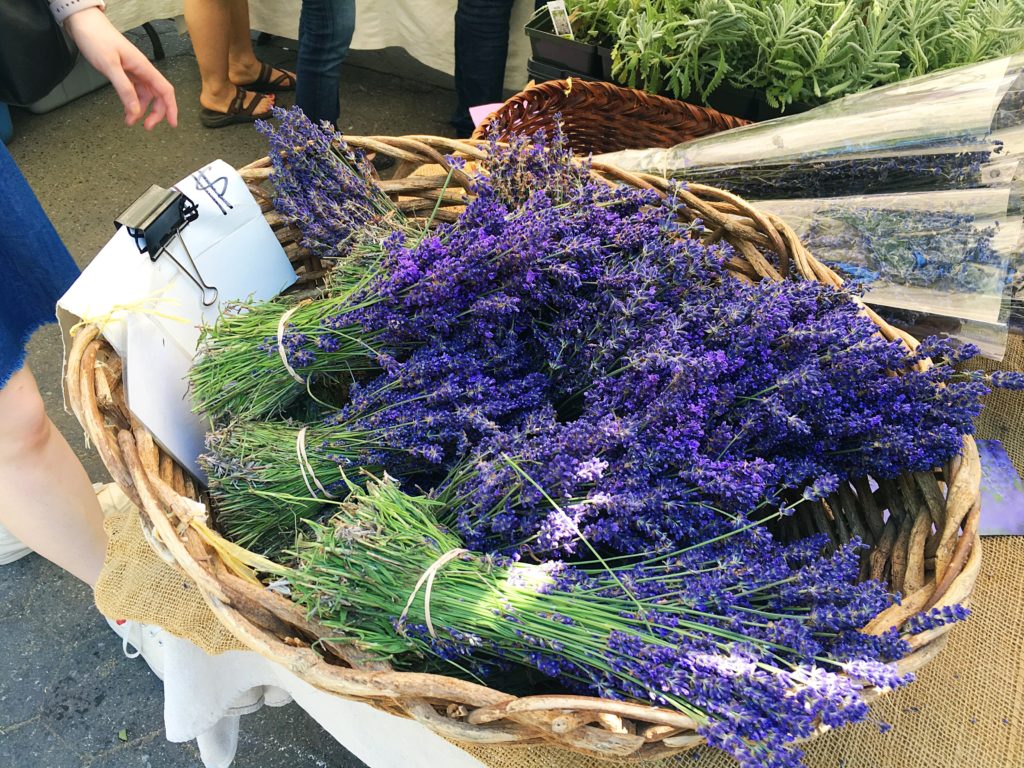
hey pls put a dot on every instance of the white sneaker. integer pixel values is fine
(11, 548)
(143, 640)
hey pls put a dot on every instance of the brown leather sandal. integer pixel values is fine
(267, 83)
(239, 111)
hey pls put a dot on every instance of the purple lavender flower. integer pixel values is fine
(936, 617)
(323, 186)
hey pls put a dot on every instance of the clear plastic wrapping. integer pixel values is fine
(912, 191)
(946, 253)
(958, 108)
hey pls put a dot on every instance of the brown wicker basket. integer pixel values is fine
(926, 547)
(601, 117)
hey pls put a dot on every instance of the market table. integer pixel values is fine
(424, 28)
(206, 698)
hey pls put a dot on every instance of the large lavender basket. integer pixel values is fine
(922, 528)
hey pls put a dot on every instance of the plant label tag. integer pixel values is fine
(560, 19)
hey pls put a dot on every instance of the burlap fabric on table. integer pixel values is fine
(965, 710)
(137, 585)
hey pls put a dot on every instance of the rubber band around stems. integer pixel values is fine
(428, 578)
(306, 468)
(280, 340)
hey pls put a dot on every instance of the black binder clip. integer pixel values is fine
(154, 220)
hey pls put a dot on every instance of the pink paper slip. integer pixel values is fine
(481, 113)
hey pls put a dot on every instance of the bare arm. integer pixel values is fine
(138, 83)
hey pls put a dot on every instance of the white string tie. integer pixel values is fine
(428, 578)
(280, 340)
(306, 468)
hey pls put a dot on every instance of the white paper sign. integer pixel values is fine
(151, 312)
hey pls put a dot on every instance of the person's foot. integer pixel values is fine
(261, 77)
(220, 100)
(244, 107)
(143, 640)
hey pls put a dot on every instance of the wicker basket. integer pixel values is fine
(601, 117)
(927, 547)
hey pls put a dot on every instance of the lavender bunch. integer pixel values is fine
(942, 250)
(839, 176)
(732, 402)
(417, 419)
(513, 297)
(756, 642)
(239, 372)
(328, 191)
(265, 478)
(324, 187)
(327, 343)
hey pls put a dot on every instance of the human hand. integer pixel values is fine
(138, 83)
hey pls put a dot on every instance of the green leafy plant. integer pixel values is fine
(794, 51)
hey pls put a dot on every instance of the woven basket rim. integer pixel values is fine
(640, 119)
(264, 621)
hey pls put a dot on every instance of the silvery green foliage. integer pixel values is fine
(807, 51)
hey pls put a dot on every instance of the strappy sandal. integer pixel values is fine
(238, 111)
(267, 83)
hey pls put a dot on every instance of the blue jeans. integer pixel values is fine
(325, 33)
(481, 48)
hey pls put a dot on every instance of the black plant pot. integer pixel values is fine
(604, 56)
(559, 51)
(747, 103)
(542, 71)
(739, 102)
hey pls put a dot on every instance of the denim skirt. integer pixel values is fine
(35, 267)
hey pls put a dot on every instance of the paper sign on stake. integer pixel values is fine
(151, 312)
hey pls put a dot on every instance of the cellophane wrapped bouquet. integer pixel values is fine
(553, 444)
(911, 190)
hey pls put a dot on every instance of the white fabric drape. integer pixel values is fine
(424, 28)
(206, 698)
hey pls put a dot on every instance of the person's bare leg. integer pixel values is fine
(213, 37)
(46, 498)
(243, 66)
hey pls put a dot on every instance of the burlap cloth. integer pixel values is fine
(137, 585)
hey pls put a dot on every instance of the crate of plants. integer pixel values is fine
(557, 458)
(759, 58)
